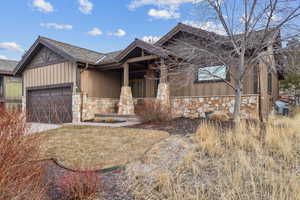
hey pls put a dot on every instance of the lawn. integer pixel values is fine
(91, 147)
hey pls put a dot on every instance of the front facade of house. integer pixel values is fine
(64, 83)
(10, 86)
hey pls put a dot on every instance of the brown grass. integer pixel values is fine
(238, 164)
(91, 147)
(20, 177)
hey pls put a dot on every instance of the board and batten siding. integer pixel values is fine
(50, 75)
(212, 88)
(13, 88)
(101, 84)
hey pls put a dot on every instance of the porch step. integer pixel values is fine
(118, 117)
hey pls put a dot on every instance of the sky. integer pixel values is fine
(100, 25)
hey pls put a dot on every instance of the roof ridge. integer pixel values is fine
(42, 37)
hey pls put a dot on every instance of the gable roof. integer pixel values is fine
(7, 66)
(77, 53)
(150, 48)
(68, 51)
(188, 29)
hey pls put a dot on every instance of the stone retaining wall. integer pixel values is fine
(194, 107)
(189, 107)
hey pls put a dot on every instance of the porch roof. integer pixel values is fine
(150, 48)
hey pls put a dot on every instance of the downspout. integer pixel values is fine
(81, 93)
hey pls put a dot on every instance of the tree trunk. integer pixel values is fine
(239, 86)
(237, 104)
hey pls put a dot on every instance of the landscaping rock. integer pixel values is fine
(162, 158)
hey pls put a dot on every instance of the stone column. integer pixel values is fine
(163, 92)
(126, 105)
(24, 104)
(76, 107)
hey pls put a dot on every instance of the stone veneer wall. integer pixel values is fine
(194, 107)
(95, 105)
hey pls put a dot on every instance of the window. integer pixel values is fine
(212, 73)
(270, 82)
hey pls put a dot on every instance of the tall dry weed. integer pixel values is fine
(20, 177)
(249, 162)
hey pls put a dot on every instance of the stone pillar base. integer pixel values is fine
(163, 94)
(24, 104)
(76, 107)
(126, 106)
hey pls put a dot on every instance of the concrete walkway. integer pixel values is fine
(40, 127)
(122, 124)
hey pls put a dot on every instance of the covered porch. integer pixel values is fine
(139, 74)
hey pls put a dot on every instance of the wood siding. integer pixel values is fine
(268, 99)
(13, 88)
(50, 75)
(105, 84)
(213, 88)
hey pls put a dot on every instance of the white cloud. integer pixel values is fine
(13, 46)
(160, 3)
(95, 32)
(85, 6)
(57, 26)
(151, 39)
(3, 57)
(119, 33)
(274, 18)
(208, 26)
(164, 14)
(43, 6)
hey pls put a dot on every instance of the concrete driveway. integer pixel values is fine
(40, 127)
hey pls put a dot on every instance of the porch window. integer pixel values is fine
(212, 73)
(138, 88)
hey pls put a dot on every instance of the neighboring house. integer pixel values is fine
(10, 86)
(65, 83)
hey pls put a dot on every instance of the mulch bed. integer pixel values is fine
(183, 126)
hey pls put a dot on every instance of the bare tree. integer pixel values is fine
(254, 31)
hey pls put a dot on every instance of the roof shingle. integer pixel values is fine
(7, 66)
(78, 53)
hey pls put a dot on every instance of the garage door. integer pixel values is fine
(50, 105)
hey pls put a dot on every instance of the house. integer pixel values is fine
(10, 86)
(65, 83)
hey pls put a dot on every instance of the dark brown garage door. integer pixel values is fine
(50, 105)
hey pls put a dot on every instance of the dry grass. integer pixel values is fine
(91, 147)
(242, 164)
